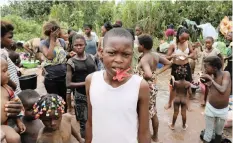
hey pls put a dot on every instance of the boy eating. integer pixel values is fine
(219, 84)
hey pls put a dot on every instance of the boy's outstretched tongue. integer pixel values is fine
(121, 74)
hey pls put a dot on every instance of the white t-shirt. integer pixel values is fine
(114, 110)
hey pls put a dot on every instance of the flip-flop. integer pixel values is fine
(186, 126)
(169, 125)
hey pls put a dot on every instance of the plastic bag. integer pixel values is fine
(208, 30)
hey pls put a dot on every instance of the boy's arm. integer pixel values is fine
(146, 68)
(76, 134)
(143, 113)
(225, 82)
(20, 125)
(88, 138)
(167, 64)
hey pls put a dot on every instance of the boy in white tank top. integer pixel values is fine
(118, 101)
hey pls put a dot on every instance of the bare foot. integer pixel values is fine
(172, 127)
(167, 106)
(185, 127)
(189, 109)
(154, 138)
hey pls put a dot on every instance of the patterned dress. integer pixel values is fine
(153, 89)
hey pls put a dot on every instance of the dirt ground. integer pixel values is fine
(195, 118)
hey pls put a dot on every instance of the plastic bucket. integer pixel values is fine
(28, 82)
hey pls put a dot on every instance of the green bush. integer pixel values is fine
(24, 29)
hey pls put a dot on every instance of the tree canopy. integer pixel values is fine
(154, 16)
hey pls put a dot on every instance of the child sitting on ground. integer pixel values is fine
(216, 110)
(7, 94)
(29, 98)
(58, 128)
(183, 91)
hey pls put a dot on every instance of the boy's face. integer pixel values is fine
(208, 44)
(4, 72)
(6, 40)
(79, 46)
(138, 31)
(208, 68)
(51, 122)
(117, 54)
(29, 114)
(87, 30)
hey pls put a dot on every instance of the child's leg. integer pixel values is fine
(171, 98)
(11, 135)
(176, 112)
(219, 125)
(183, 114)
(209, 129)
(155, 125)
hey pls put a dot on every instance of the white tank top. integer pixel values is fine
(114, 110)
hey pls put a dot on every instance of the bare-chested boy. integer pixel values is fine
(219, 84)
(58, 127)
(7, 94)
(29, 98)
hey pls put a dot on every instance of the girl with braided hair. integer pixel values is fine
(58, 127)
(182, 88)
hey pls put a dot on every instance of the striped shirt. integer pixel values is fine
(12, 71)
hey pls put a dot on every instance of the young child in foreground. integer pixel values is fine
(219, 84)
(7, 94)
(57, 126)
(209, 51)
(118, 101)
(29, 98)
(183, 91)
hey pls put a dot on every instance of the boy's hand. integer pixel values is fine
(206, 76)
(21, 126)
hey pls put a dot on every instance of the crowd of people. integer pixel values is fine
(113, 83)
